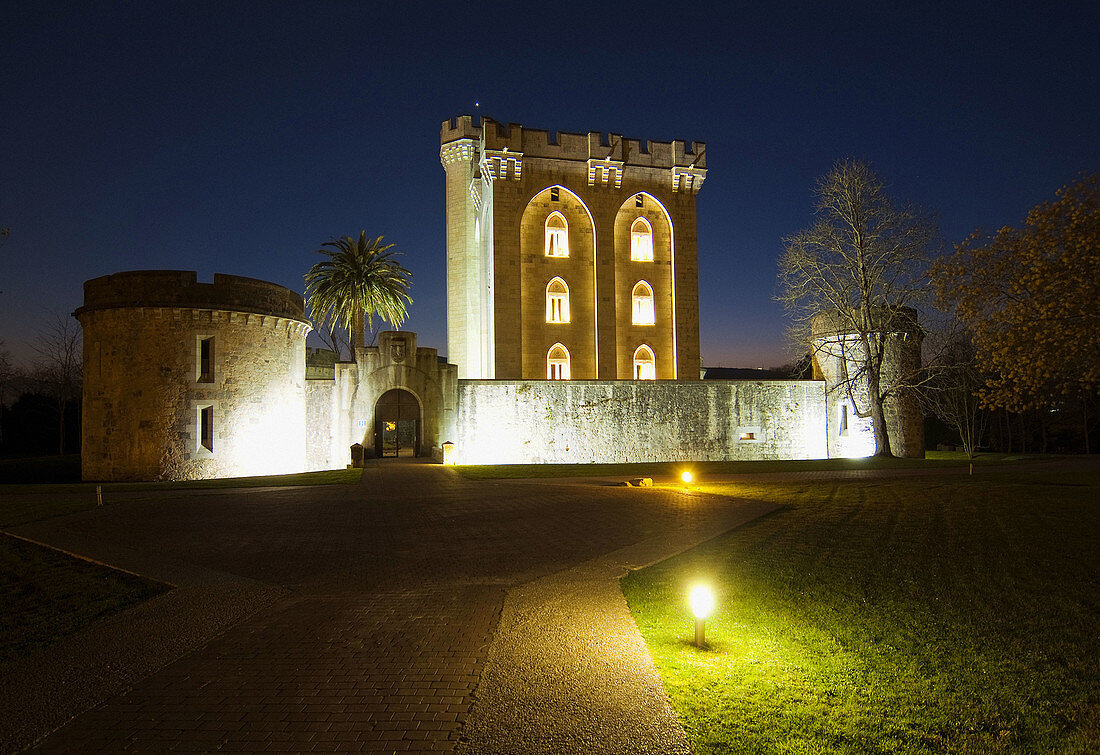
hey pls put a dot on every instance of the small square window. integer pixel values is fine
(750, 434)
(554, 195)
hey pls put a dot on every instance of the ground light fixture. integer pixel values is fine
(702, 603)
(686, 476)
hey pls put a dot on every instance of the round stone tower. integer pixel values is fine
(186, 380)
(838, 359)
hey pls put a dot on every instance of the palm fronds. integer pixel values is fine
(358, 281)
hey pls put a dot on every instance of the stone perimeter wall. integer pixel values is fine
(320, 426)
(552, 422)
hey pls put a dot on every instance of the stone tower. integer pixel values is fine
(570, 256)
(837, 356)
(187, 380)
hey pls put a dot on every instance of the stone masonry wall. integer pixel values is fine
(838, 357)
(517, 422)
(604, 172)
(320, 425)
(144, 394)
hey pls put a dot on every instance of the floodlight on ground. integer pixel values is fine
(686, 476)
(702, 603)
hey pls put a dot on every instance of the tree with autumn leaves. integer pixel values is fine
(1030, 298)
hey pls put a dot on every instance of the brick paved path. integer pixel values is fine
(372, 612)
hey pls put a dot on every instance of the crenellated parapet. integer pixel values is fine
(181, 289)
(503, 148)
(615, 202)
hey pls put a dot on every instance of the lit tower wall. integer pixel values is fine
(838, 356)
(469, 273)
(510, 190)
(186, 380)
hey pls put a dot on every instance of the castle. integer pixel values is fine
(572, 336)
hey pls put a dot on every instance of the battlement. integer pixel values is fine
(887, 319)
(563, 145)
(181, 289)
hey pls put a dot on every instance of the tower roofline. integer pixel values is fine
(565, 145)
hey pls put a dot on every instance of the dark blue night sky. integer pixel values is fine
(236, 137)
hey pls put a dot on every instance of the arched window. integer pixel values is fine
(641, 304)
(645, 367)
(557, 363)
(557, 301)
(641, 241)
(557, 235)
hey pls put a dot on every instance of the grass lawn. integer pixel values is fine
(703, 468)
(910, 615)
(47, 595)
(40, 469)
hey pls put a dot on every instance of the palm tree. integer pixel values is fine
(359, 280)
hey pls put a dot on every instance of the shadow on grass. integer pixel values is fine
(48, 595)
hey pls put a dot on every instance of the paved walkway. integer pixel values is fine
(417, 611)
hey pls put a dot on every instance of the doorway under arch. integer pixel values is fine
(397, 423)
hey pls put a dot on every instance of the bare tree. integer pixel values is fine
(7, 374)
(333, 340)
(5, 234)
(860, 266)
(953, 387)
(59, 366)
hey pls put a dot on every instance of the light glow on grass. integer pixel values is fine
(941, 615)
(687, 476)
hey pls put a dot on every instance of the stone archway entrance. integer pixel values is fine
(397, 428)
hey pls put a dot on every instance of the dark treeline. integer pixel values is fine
(1071, 428)
(29, 426)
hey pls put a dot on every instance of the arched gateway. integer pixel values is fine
(397, 424)
(394, 400)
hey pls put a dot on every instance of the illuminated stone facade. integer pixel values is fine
(528, 210)
(837, 357)
(342, 410)
(187, 380)
(593, 421)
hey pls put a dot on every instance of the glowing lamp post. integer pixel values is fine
(702, 603)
